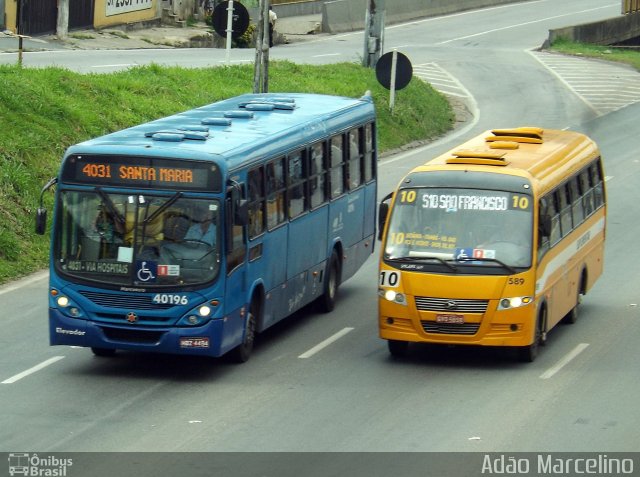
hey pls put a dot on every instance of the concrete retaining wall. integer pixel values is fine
(605, 32)
(348, 15)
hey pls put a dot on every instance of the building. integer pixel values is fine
(39, 17)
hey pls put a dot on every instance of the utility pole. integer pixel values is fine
(62, 27)
(261, 67)
(373, 32)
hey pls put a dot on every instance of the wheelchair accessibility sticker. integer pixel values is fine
(465, 253)
(146, 271)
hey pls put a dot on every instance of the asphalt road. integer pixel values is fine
(578, 396)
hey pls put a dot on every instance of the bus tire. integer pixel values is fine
(398, 349)
(103, 352)
(528, 354)
(242, 352)
(327, 300)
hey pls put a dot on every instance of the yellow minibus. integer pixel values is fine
(492, 243)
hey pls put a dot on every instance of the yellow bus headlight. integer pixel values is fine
(393, 296)
(515, 302)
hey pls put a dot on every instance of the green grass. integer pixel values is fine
(44, 111)
(628, 56)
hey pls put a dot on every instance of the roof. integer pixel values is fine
(544, 155)
(236, 129)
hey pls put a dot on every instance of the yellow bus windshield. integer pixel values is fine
(471, 226)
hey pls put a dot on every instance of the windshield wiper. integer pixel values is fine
(162, 208)
(420, 259)
(112, 208)
(494, 260)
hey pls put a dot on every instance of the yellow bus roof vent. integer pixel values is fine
(528, 135)
(504, 145)
(481, 158)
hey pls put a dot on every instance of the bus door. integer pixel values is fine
(235, 300)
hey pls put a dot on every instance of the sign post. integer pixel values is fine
(229, 30)
(394, 72)
(230, 21)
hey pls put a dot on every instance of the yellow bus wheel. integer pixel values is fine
(398, 349)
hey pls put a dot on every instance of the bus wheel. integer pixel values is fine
(398, 349)
(242, 352)
(327, 301)
(104, 352)
(528, 354)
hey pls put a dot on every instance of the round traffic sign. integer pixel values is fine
(239, 19)
(404, 70)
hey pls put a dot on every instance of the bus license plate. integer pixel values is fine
(450, 319)
(196, 342)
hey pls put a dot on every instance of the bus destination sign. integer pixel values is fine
(144, 172)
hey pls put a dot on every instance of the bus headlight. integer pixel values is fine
(68, 307)
(515, 302)
(204, 311)
(393, 296)
(198, 315)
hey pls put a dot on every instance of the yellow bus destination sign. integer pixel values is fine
(142, 172)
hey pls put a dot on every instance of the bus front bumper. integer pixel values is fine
(202, 340)
(486, 331)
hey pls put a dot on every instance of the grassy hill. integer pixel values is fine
(43, 111)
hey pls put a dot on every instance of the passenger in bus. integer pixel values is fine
(203, 228)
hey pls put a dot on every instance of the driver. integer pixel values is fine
(203, 228)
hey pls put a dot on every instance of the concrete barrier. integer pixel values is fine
(605, 32)
(340, 16)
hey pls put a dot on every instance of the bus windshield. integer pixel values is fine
(137, 239)
(480, 228)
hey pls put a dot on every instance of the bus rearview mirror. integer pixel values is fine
(383, 211)
(41, 220)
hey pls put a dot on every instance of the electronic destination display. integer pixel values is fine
(142, 172)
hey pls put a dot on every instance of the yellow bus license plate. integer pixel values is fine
(451, 319)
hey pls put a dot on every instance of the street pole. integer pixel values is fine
(374, 32)
(265, 47)
(62, 26)
(257, 67)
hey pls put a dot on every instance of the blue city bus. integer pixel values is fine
(192, 233)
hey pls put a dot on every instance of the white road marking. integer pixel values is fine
(325, 343)
(564, 361)
(519, 25)
(29, 371)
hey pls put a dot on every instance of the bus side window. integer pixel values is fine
(336, 163)
(317, 175)
(236, 249)
(256, 202)
(369, 164)
(275, 193)
(544, 240)
(587, 192)
(564, 196)
(596, 180)
(554, 212)
(577, 209)
(296, 196)
(355, 158)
